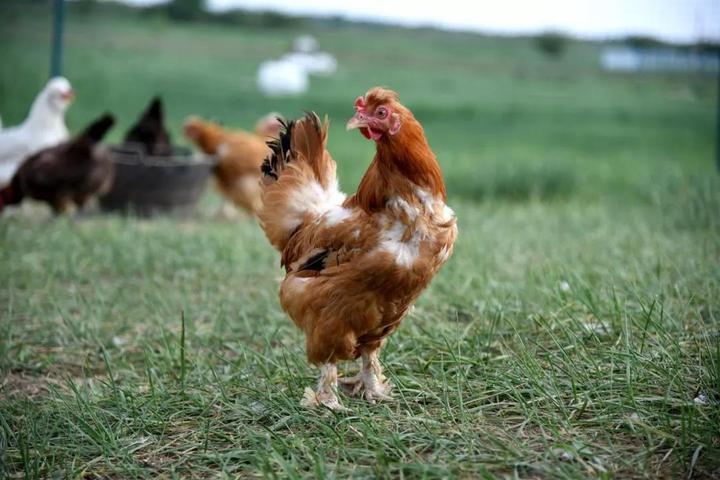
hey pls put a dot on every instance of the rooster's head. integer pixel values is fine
(378, 114)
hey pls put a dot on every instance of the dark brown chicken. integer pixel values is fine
(68, 173)
(150, 132)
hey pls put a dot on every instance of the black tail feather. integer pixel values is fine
(281, 146)
(155, 108)
(315, 262)
(97, 130)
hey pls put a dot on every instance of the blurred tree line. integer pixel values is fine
(185, 10)
(196, 10)
(552, 44)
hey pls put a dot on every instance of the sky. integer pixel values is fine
(674, 20)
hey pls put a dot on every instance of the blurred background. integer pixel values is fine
(582, 99)
(573, 334)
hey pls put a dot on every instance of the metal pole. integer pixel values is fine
(58, 20)
(717, 120)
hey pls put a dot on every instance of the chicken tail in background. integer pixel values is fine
(99, 128)
(239, 157)
(299, 179)
(150, 132)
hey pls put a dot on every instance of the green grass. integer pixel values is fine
(567, 338)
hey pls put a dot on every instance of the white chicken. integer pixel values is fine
(44, 127)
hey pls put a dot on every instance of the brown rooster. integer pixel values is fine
(354, 266)
(68, 173)
(240, 154)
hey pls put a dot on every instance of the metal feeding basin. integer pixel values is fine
(149, 185)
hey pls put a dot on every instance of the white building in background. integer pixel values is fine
(315, 63)
(630, 59)
(290, 74)
(278, 78)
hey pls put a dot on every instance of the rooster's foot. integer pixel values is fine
(351, 385)
(313, 399)
(372, 383)
(325, 393)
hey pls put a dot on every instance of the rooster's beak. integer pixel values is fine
(69, 96)
(357, 121)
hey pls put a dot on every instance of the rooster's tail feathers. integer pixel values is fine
(300, 141)
(276, 161)
(299, 178)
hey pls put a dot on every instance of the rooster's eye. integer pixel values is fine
(381, 113)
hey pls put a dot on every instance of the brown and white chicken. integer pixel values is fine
(239, 154)
(355, 265)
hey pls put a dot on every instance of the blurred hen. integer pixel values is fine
(149, 131)
(240, 155)
(44, 127)
(354, 266)
(69, 173)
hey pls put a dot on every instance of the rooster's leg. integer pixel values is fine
(376, 385)
(370, 378)
(326, 390)
(352, 385)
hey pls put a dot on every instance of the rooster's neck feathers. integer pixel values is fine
(402, 163)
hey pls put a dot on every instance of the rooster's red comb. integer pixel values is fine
(360, 103)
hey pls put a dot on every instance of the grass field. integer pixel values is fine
(575, 333)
